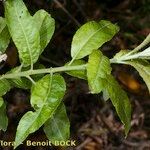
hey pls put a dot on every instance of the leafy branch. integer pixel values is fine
(31, 35)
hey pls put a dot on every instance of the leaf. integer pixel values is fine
(23, 30)
(57, 128)
(1, 101)
(79, 74)
(46, 96)
(4, 87)
(91, 36)
(4, 35)
(97, 69)
(46, 25)
(120, 101)
(51, 91)
(3, 116)
(143, 68)
(31, 122)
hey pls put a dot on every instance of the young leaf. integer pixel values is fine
(3, 116)
(91, 36)
(23, 30)
(97, 69)
(4, 87)
(79, 74)
(120, 101)
(46, 96)
(46, 25)
(4, 35)
(143, 68)
(57, 128)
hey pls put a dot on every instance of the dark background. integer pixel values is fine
(94, 122)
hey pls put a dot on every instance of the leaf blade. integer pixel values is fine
(23, 31)
(3, 116)
(57, 128)
(97, 69)
(4, 87)
(46, 25)
(90, 36)
(4, 35)
(120, 101)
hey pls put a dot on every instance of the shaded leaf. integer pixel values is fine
(3, 116)
(57, 128)
(120, 101)
(4, 87)
(79, 74)
(97, 69)
(23, 30)
(91, 36)
(4, 35)
(46, 26)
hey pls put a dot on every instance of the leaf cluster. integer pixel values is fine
(31, 35)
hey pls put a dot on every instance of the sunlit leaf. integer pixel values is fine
(97, 69)
(91, 36)
(23, 30)
(46, 26)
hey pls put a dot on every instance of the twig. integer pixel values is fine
(66, 11)
(80, 8)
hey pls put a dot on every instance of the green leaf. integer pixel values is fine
(23, 30)
(4, 35)
(3, 116)
(51, 91)
(1, 101)
(57, 128)
(120, 101)
(4, 87)
(46, 96)
(79, 74)
(143, 68)
(91, 36)
(46, 25)
(97, 69)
